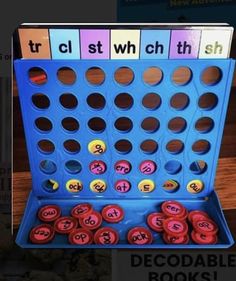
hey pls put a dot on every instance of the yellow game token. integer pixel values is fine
(146, 185)
(195, 186)
(74, 185)
(97, 147)
(98, 186)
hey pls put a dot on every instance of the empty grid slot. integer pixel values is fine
(43, 124)
(72, 146)
(208, 101)
(201, 146)
(95, 76)
(173, 167)
(40, 101)
(124, 101)
(96, 101)
(48, 167)
(211, 75)
(204, 124)
(37, 76)
(66, 75)
(123, 124)
(46, 146)
(179, 101)
(97, 124)
(175, 146)
(68, 101)
(198, 167)
(124, 76)
(177, 125)
(182, 75)
(151, 101)
(152, 76)
(73, 166)
(123, 146)
(150, 124)
(70, 124)
(50, 185)
(149, 146)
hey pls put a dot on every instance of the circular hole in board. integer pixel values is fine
(50, 185)
(182, 75)
(43, 124)
(96, 101)
(46, 146)
(152, 76)
(124, 101)
(198, 167)
(201, 146)
(40, 101)
(95, 76)
(73, 166)
(173, 167)
(123, 146)
(150, 124)
(71, 146)
(204, 124)
(151, 101)
(48, 167)
(70, 124)
(179, 101)
(37, 76)
(123, 124)
(124, 76)
(68, 101)
(175, 146)
(211, 75)
(177, 125)
(66, 75)
(208, 101)
(149, 146)
(97, 124)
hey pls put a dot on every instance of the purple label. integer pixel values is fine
(184, 44)
(95, 43)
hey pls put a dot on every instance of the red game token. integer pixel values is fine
(49, 213)
(112, 213)
(140, 236)
(81, 210)
(176, 239)
(155, 221)
(106, 236)
(202, 239)
(91, 221)
(81, 236)
(65, 224)
(205, 226)
(42, 234)
(185, 215)
(197, 215)
(175, 227)
(173, 209)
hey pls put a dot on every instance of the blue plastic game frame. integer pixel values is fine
(134, 201)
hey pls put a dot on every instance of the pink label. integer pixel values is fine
(158, 221)
(41, 233)
(147, 167)
(95, 43)
(97, 167)
(113, 213)
(107, 237)
(205, 238)
(206, 225)
(122, 186)
(65, 224)
(175, 226)
(122, 167)
(81, 210)
(173, 209)
(91, 220)
(140, 238)
(81, 238)
(49, 213)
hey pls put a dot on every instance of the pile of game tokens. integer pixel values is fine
(176, 223)
(83, 227)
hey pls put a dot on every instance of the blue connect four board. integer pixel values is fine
(64, 177)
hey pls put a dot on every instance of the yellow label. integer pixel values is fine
(195, 186)
(97, 147)
(146, 186)
(74, 185)
(98, 186)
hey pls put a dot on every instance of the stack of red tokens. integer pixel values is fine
(204, 228)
